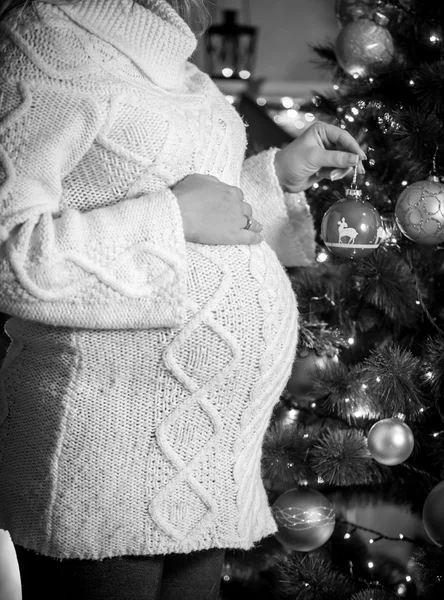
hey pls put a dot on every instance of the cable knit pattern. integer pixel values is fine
(143, 369)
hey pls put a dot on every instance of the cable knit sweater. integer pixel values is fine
(143, 369)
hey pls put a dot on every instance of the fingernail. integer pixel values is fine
(364, 156)
(361, 169)
(335, 175)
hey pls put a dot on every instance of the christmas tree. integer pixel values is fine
(353, 460)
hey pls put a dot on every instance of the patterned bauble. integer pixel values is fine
(305, 519)
(364, 48)
(352, 10)
(352, 227)
(390, 441)
(420, 211)
(433, 514)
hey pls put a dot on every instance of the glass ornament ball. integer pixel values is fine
(352, 10)
(305, 519)
(390, 441)
(305, 366)
(433, 514)
(352, 227)
(419, 211)
(364, 48)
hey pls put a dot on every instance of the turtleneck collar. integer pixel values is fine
(154, 37)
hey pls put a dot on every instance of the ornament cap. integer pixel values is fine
(434, 178)
(380, 18)
(354, 192)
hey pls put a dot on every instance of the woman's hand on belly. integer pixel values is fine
(215, 213)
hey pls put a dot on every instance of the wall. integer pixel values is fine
(286, 30)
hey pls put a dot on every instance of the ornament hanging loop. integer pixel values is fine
(353, 190)
(433, 175)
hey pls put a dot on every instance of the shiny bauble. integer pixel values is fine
(305, 366)
(364, 48)
(390, 441)
(305, 519)
(433, 514)
(352, 227)
(419, 211)
(352, 10)
(285, 416)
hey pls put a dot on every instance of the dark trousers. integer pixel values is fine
(194, 576)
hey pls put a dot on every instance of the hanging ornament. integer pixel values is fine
(352, 10)
(305, 519)
(364, 48)
(433, 515)
(390, 441)
(286, 416)
(419, 211)
(307, 362)
(382, 13)
(352, 227)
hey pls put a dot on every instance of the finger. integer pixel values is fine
(334, 137)
(336, 159)
(247, 209)
(238, 193)
(249, 237)
(334, 174)
(253, 225)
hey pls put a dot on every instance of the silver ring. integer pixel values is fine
(249, 223)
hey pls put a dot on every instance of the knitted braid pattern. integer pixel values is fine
(143, 369)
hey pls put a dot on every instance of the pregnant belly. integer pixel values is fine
(241, 298)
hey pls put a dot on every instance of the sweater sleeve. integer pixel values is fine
(121, 265)
(287, 221)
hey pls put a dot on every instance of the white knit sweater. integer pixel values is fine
(143, 369)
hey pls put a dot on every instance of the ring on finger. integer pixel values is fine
(249, 222)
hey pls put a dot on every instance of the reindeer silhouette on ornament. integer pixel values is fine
(346, 232)
(350, 232)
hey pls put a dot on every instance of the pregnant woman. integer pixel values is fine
(152, 324)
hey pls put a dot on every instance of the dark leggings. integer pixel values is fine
(194, 576)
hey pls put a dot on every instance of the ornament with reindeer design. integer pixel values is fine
(352, 227)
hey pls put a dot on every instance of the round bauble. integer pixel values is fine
(307, 362)
(352, 227)
(285, 416)
(390, 441)
(305, 519)
(419, 211)
(364, 48)
(433, 514)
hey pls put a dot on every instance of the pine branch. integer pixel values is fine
(341, 458)
(312, 577)
(374, 594)
(428, 87)
(317, 335)
(433, 358)
(393, 376)
(418, 133)
(284, 456)
(427, 566)
(390, 286)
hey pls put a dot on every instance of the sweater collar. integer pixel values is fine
(154, 37)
